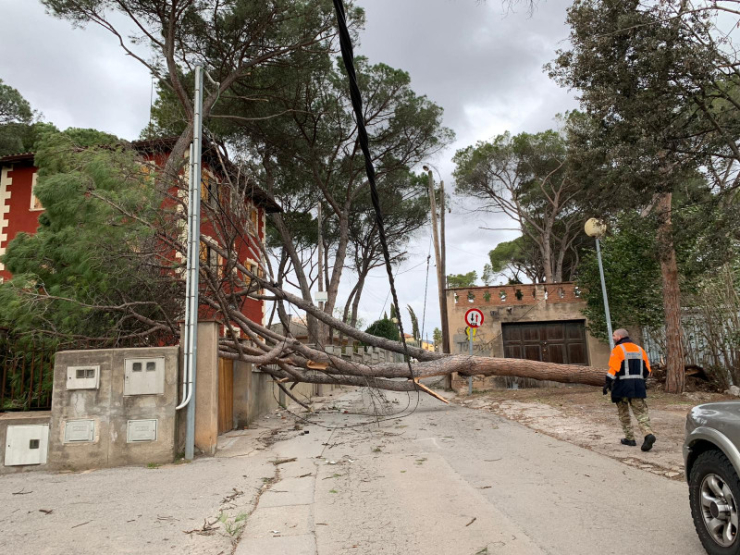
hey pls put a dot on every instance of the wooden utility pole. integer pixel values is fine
(443, 256)
(439, 259)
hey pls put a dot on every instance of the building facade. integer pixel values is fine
(541, 322)
(20, 209)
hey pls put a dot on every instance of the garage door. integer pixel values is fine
(559, 342)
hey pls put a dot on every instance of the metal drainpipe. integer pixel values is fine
(194, 238)
(187, 378)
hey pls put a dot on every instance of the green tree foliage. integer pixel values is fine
(13, 107)
(18, 130)
(632, 265)
(514, 260)
(414, 325)
(660, 96)
(649, 79)
(384, 328)
(526, 177)
(632, 275)
(462, 280)
(437, 337)
(91, 270)
(300, 142)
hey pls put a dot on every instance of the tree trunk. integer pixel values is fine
(675, 378)
(547, 254)
(332, 287)
(311, 324)
(385, 376)
(356, 300)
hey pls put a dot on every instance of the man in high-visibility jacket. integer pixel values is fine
(628, 368)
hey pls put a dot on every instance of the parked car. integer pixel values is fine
(712, 459)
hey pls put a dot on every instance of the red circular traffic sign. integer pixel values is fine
(474, 317)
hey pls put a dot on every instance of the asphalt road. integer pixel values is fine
(444, 480)
(452, 480)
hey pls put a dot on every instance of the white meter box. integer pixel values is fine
(144, 376)
(26, 444)
(83, 377)
(79, 431)
(141, 430)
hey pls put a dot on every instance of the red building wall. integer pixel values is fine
(17, 215)
(15, 195)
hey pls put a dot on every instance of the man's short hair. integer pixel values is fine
(621, 333)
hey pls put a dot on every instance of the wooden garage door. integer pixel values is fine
(560, 342)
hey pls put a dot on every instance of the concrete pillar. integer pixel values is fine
(206, 389)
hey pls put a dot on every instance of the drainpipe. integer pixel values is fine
(187, 376)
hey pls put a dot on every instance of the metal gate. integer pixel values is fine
(26, 374)
(558, 342)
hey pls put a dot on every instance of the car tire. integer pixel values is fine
(714, 495)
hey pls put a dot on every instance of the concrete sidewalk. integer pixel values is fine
(198, 508)
(450, 480)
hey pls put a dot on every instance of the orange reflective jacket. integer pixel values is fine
(628, 368)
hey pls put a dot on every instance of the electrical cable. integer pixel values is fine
(345, 42)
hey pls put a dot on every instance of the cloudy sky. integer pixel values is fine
(481, 63)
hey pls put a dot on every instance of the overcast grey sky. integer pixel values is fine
(481, 64)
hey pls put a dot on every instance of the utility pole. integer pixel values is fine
(443, 256)
(319, 388)
(440, 270)
(193, 263)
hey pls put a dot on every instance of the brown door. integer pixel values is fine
(558, 342)
(225, 395)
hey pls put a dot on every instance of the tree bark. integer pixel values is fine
(547, 253)
(356, 300)
(384, 376)
(332, 286)
(311, 323)
(441, 278)
(675, 376)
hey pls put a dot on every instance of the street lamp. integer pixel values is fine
(597, 229)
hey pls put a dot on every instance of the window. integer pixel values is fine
(136, 367)
(85, 373)
(150, 366)
(254, 218)
(254, 268)
(35, 202)
(208, 186)
(211, 259)
(34, 444)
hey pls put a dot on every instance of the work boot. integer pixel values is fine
(648, 443)
(630, 442)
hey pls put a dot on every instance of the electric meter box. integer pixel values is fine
(83, 377)
(141, 430)
(26, 444)
(79, 431)
(143, 376)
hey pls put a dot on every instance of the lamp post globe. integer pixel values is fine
(595, 228)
